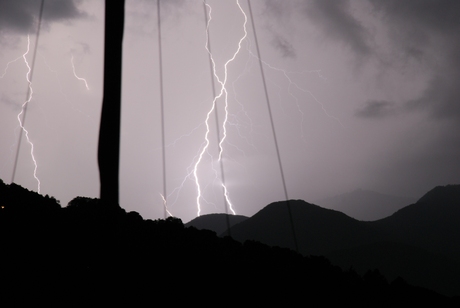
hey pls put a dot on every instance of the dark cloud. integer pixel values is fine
(435, 15)
(415, 25)
(286, 49)
(337, 22)
(20, 16)
(376, 109)
(441, 98)
(56, 10)
(277, 8)
(427, 30)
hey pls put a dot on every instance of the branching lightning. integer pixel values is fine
(58, 80)
(228, 199)
(223, 93)
(76, 76)
(22, 113)
(8, 65)
(295, 85)
(165, 205)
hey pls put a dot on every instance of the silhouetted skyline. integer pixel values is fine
(78, 251)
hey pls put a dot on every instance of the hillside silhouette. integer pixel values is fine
(433, 222)
(215, 222)
(318, 230)
(87, 254)
(420, 242)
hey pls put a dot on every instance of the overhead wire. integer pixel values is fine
(162, 109)
(278, 155)
(163, 144)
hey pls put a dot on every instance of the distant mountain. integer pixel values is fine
(215, 222)
(432, 223)
(365, 204)
(318, 230)
(420, 242)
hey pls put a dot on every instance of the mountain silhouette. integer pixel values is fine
(365, 204)
(88, 254)
(420, 242)
(215, 222)
(432, 223)
(318, 230)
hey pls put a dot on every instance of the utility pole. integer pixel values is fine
(109, 131)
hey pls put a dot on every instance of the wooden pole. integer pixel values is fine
(109, 132)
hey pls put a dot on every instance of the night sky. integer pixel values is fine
(364, 94)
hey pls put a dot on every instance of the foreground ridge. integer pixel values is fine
(85, 254)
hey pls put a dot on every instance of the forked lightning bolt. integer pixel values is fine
(165, 205)
(223, 92)
(23, 107)
(295, 85)
(8, 65)
(22, 113)
(58, 80)
(228, 199)
(76, 76)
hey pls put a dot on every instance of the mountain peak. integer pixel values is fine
(449, 194)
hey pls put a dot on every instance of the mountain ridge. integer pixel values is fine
(430, 227)
(216, 222)
(272, 226)
(72, 254)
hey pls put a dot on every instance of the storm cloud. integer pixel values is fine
(376, 109)
(427, 31)
(284, 47)
(338, 23)
(21, 16)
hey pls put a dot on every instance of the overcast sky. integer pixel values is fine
(364, 94)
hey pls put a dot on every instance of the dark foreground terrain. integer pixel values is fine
(420, 242)
(88, 254)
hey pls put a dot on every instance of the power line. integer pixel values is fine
(273, 128)
(163, 145)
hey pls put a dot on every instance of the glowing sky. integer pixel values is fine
(364, 94)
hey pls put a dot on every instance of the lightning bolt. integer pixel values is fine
(165, 205)
(223, 93)
(58, 80)
(294, 88)
(228, 199)
(23, 113)
(76, 76)
(295, 85)
(8, 65)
